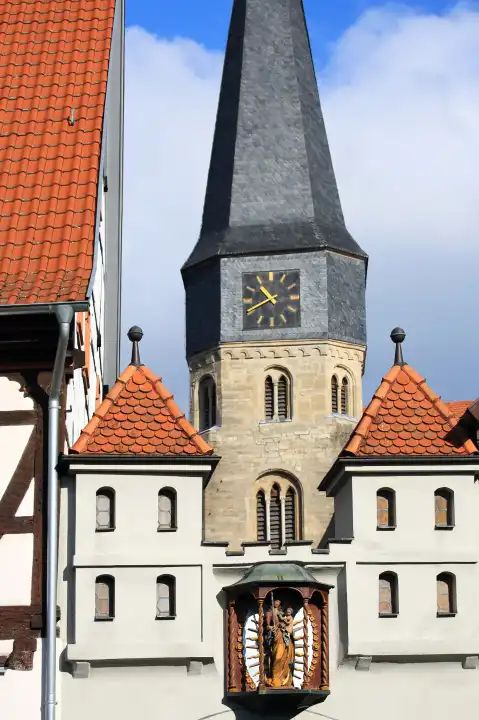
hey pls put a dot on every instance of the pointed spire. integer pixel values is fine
(271, 184)
(135, 334)
(398, 336)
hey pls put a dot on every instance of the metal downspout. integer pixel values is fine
(64, 316)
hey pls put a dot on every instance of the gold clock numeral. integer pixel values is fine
(283, 318)
(260, 320)
(292, 308)
(259, 279)
(250, 288)
(247, 300)
(271, 322)
(283, 277)
(294, 297)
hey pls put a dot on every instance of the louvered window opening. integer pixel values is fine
(104, 598)
(207, 401)
(275, 519)
(283, 399)
(268, 398)
(345, 397)
(334, 395)
(261, 517)
(290, 515)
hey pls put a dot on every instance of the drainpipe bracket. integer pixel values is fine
(80, 670)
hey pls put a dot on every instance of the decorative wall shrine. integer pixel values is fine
(277, 635)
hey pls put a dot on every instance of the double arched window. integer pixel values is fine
(341, 402)
(278, 507)
(277, 395)
(207, 403)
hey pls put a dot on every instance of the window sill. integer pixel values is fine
(165, 617)
(386, 527)
(105, 619)
(446, 614)
(388, 615)
(275, 421)
(167, 530)
(444, 527)
(105, 530)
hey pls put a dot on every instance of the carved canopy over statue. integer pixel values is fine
(277, 634)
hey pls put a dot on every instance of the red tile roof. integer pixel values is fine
(405, 417)
(53, 73)
(140, 417)
(459, 407)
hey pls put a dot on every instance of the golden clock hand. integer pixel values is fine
(268, 295)
(263, 302)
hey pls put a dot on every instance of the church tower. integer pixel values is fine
(275, 291)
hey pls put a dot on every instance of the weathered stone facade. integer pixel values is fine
(303, 447)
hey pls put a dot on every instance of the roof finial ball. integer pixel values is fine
(398, 336)
(135, 334)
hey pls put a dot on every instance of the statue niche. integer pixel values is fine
(277, 634)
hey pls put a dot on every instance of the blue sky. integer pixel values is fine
(206, 21)
(399, 84)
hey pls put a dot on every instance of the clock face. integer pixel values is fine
(271, 299)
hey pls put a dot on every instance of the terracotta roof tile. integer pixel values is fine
(53, 61)
(459, 407)
(405, 417)
(140, 417)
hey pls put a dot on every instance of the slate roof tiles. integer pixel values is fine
(54, 60)
(140, 417)
(405, 417)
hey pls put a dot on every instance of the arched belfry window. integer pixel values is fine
(444, 509)
(386, 509)
(345, 396)
(446, 594)
(104, 597)
(167, 510)
(334, 395)
(207, 403)
(388, 595)
(278, 510)
(268, 398)
(261, 534)
(277, 396)
(165, 597)
(105, 510)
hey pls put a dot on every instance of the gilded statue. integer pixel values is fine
(279, 646)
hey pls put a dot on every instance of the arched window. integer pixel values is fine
(104, 597)
(105, 510)
(261, 516)
(284, 404)
(268, 398)
(165, 597)
(167, 509)
(345, 397)
(207, 403)
(446, 594)
(386, 508)
(334, 395)
(275, 518)
(444, 508)
(388, 594)
(290, 515)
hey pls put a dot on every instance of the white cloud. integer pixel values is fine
(401, 98)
